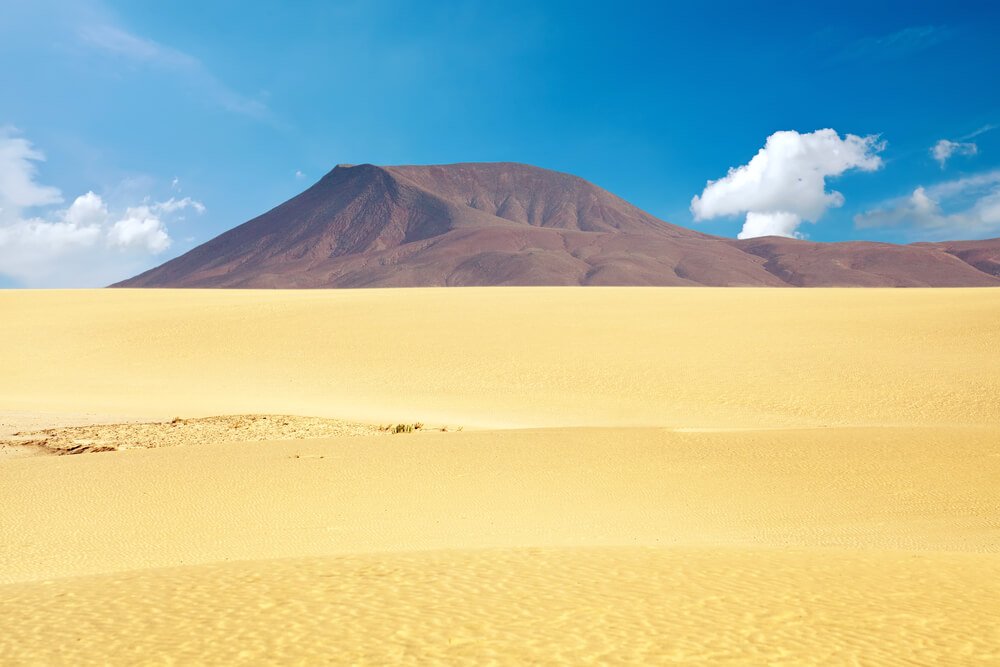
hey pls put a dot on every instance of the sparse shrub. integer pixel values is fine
(403, 428)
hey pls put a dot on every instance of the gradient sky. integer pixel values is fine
(185, 119)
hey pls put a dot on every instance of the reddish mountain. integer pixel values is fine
(512, 224)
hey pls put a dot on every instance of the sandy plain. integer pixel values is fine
(741, 476)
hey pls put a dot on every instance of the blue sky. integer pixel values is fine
(185, 119)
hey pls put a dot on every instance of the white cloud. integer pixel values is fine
(961, 208)
(29, 242)
(85, 244)
(172, 205)
(87, 210)
(140, 228)
(299, 174)
(770, 224)
(989, 127)
(18, 188)
(945, 148)
(785, 182)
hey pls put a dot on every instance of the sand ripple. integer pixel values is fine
(551, 606)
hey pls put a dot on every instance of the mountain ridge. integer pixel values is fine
(504, 223)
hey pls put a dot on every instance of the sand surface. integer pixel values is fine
(644, 476)
(525, 606)
(511, 357)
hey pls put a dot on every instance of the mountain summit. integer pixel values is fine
(513, 224)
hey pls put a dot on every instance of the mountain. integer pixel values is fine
(513, 224)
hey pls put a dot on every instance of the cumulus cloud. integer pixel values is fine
(962, 208)
(84, 244)
(87, 210)
(770, 224)
(140, 228)
(785, 182)
(944, 149)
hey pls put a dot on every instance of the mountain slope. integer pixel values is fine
(513, 224)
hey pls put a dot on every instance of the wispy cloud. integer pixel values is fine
(983, 130)
(116, 41)
(944, 149)
(961, 208)
(899, 44)
(18, 170)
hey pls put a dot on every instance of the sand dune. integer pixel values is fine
(741, 476)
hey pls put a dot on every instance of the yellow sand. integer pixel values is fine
(741, 476)
(501, 357)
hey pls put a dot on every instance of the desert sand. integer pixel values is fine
(734, 476)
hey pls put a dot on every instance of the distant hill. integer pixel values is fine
(513, 224)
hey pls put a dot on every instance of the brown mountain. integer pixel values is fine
(512, 224)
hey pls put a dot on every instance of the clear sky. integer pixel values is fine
(132, 131)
